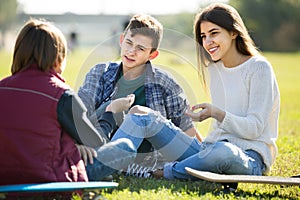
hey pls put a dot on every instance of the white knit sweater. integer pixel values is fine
(249, 95)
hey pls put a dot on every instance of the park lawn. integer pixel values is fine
(286, 67)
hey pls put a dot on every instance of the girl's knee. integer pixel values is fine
(222, 150)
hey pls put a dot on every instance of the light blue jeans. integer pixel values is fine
(184, 151)
(111, 157)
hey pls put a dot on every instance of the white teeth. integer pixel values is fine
(212, 49)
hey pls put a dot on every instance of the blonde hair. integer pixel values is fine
(228, 18)
(41, 43)
(148, 26)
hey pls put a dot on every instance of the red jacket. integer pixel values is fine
(33, 146)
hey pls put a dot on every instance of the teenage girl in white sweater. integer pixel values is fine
(245, 105)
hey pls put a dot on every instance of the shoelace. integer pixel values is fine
(140, 171)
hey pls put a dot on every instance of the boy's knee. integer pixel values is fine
(139, 110)
(125, 144)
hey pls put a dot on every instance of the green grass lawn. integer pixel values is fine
(286, 67)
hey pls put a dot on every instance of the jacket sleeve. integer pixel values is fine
(88, 91)
(72, 117)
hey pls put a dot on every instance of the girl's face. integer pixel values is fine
(217, 41)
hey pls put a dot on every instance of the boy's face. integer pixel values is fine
(136, 50)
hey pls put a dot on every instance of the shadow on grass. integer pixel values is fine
(264, 195)
(137, 184)
(195, 188)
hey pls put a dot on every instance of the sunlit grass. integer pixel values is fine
(286, 67)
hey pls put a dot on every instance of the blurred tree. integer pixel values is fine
(8, 12)
(181, 22)
(273, 24)
(177, 27)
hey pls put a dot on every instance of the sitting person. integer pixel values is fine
(245, 106)
(41, 118)
(135, 74)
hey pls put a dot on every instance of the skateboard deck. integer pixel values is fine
(56, 186)
(222, 178)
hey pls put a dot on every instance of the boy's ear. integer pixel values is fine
(121, 38)
(154, 54)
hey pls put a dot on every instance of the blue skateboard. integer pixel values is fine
(56, 186)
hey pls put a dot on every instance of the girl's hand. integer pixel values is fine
(199, 112)
(206, 111)
(121, 104)
(87, 153)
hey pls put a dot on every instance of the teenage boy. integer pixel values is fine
(152, 87)
(135, 74)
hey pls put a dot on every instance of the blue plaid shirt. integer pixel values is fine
(162, 92)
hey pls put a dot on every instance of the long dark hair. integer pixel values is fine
(228, 18)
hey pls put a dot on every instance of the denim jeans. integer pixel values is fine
(111, 157)
(184, 151)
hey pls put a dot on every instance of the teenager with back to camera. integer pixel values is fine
(41, 118)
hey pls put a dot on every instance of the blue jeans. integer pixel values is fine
(184, 151)
(111, 157)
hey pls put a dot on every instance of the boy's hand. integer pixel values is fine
(121, 104)
(87, 153)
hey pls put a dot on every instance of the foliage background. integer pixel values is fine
(274, 25)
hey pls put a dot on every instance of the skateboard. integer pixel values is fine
(234, 179)
(56, 186)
